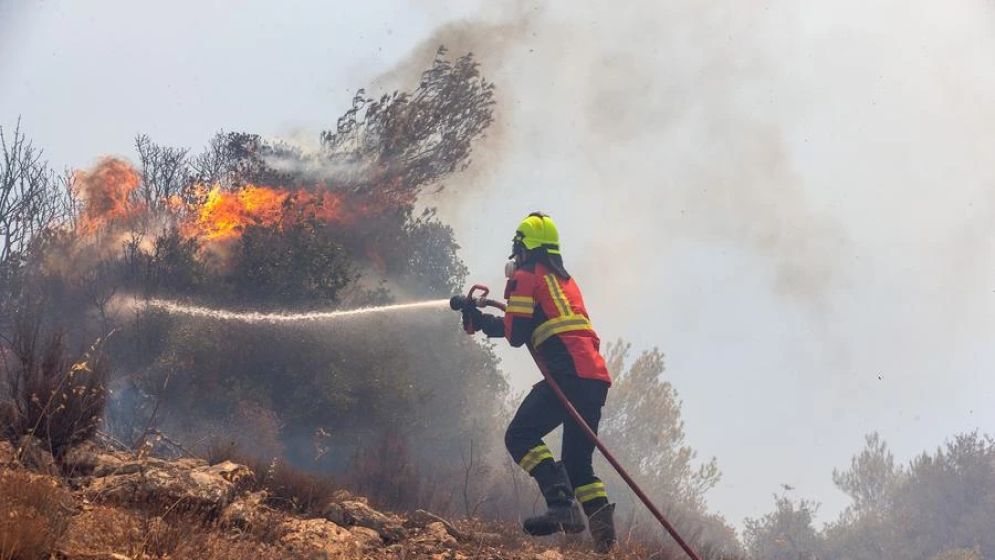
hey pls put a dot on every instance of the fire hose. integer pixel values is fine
(460, 302)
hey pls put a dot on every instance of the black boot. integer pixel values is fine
(562, 511)
(601, 523)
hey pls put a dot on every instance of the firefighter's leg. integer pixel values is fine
(538, 415)
(588, 396)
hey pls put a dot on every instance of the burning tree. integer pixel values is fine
(256, 223)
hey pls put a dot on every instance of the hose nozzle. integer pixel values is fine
(459, 302)
(477, 297)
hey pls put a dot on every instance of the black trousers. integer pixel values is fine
(541, 412)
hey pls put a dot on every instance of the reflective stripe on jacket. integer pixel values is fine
(547, 313)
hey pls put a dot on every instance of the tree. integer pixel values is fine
(940, 502)
(34, 202)
(404, 141)
(786, 533)
(164, 172)
(642, 425)
(870, 479)
(642, 420)
(302, 263)
(30, 200)
(947, 500)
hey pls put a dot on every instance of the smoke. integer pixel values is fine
(794, 200)
(657, 134)
(310, 163)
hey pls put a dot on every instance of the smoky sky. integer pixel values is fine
(794, 201)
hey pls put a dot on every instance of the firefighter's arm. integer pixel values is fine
(492, 326)
(520, 309)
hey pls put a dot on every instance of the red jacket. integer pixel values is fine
(547, 314)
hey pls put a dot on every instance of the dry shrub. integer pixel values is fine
(292, 489)
(34, 514)
(289, 488)
(266, 527)
(51, 396)
(102, 530)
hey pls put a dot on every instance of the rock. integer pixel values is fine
(421, 518)
(246, 511)
(35, 455)
(366, 538)
(435, 534)
(342, 495)
(358, 513)
(232, 472)
(190, 462)
(190, 484)
(318, 538)
(90, 458)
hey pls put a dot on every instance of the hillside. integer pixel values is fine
(106, 503)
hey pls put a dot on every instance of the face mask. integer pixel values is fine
(509, 269)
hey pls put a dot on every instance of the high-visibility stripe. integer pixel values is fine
(591, 491)
(520, 310)
(535, 456)
(558, 326)
(559, 298)
(522, 305)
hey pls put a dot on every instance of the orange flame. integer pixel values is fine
(216, 215)
(106, 191)
(225, 215)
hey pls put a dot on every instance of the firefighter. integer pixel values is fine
(545, 312)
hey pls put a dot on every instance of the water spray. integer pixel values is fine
(175, 307)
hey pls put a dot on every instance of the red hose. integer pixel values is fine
(608, 455)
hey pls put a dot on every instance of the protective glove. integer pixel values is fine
(473, 318)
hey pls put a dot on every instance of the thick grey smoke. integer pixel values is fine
(794, 201)
(653, 111)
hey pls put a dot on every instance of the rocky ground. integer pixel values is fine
(101, 503)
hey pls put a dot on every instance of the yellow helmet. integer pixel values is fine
(537, 231)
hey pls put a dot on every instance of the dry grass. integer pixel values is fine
(630, 546)
(103, 530)
(34, 514)
(289, 488)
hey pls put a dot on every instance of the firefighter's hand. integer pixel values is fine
(473, 318)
